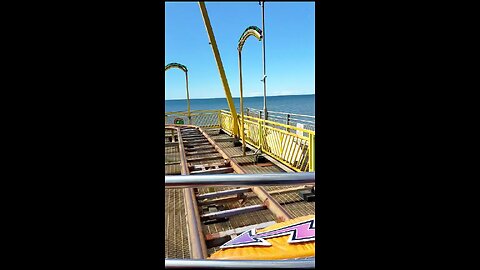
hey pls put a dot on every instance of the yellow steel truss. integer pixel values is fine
(218, 60)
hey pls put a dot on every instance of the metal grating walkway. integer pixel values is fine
(176, 227)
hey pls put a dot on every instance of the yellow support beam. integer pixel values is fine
(216, 53)
(311, 152)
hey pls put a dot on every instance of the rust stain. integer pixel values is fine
(266, 202)
(212, 236)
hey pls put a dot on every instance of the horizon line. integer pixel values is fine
(244, 96)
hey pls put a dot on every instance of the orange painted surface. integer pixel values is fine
(279, 249)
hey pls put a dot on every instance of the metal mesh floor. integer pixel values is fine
(176, 232)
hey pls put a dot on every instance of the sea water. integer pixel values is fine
(298, 104)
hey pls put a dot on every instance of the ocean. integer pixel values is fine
(299, 104)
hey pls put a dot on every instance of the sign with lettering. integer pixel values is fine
(299, 232)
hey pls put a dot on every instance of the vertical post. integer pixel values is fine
(242, 129)
(218, 60)
(311, 152)
(260, 114)
(288, 122)
(219, 119)
(188, 99)
(264, 67)
(260, 134)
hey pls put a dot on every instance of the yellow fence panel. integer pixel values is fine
(290, 145)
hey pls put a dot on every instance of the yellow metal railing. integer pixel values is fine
(292, 146)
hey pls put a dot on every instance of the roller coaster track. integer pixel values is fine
(195, 145)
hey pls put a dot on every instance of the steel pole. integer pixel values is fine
(241, 101)
(237, 180)
(240, 264)
(188, 99)
(264, 66)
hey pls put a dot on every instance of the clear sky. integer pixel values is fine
(290, 48)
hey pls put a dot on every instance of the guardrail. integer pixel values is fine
(292, 146)
(201, 118)
(237, 180)
(289, 119)
(237, 264)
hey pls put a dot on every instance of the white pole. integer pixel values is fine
(264, 67)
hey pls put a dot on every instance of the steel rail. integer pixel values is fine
(274, 179)
(239, 264)
(290, 118)
(198, 247)
(280, 213)
(304, 115)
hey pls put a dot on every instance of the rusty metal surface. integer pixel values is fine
(172, 154)
(173, 169)
(198, 248)
(176, 242)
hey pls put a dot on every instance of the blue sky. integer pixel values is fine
(290, 48)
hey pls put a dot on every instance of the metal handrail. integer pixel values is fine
(274, 179)
(192, 111)
(304, 115)
(308, 131)
(292, 119)
(239, 264)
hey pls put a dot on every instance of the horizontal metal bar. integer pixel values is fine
(194, 159)
(168, 144)
(238, 264)
(223, 193)
(191, 112)
(300, 121)
(192, 137)
(172, 163)
(253, 109)
(234, 212)
(239, 230)
(220, 200)
(201, 147)
(193, 152)
(185, 181)
(213, 171)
